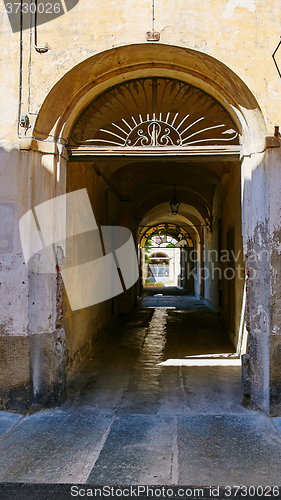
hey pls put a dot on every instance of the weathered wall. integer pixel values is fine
(14, 287)
(32, 343)
(196, 263)
(84, 326)
(262, 249)
(227, 206)
(212, 264)
(232, 219)
(240, 36)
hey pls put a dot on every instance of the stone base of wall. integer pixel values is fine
(14, 373)
(265, 372)
(32, 372)
(48, 369)
(275, 375)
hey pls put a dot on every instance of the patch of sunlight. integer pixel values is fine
(202, 362)
(221, 355)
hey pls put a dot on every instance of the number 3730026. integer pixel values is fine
(251, 491)
(46, 8)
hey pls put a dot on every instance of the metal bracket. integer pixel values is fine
(153, 36)
(24, 121)
(209, 223)
(273, 141)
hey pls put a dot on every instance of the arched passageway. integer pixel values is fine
(184, 120)
(165, 138)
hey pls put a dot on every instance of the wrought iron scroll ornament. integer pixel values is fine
(154, 112)
(162, 133)
(152, 133)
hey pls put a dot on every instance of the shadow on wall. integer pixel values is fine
(23, 173)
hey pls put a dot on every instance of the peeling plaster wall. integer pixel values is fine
(31, 346)
(274, 224)
(274, 166)
(14, 282)
(14, 287)
(261, 221)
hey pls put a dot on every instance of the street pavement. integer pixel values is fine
(156, 402)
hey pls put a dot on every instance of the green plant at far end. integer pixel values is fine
(148, 244)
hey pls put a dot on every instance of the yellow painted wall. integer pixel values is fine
(240, 33)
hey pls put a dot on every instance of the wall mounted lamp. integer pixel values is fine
(174, 203)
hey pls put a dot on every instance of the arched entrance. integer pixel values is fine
(169, 268)
(116, 153)
(199, 144)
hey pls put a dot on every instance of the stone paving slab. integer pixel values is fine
(7, 420)
(212, 389)
(277, 423)
(138, 413)
(228, 450)
(225, 449)
(52, 448)
(138, 450)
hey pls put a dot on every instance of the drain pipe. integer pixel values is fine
(20, 75)
(23, 120)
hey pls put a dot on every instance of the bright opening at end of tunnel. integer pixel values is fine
(159, 306)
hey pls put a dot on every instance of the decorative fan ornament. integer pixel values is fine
(154, 112)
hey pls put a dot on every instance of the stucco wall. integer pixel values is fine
(232, 219)
(227, 206)
(213, 266)
(28, 302)
(83, 327)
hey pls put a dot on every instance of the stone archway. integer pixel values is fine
(78, 88)
(87, 80)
